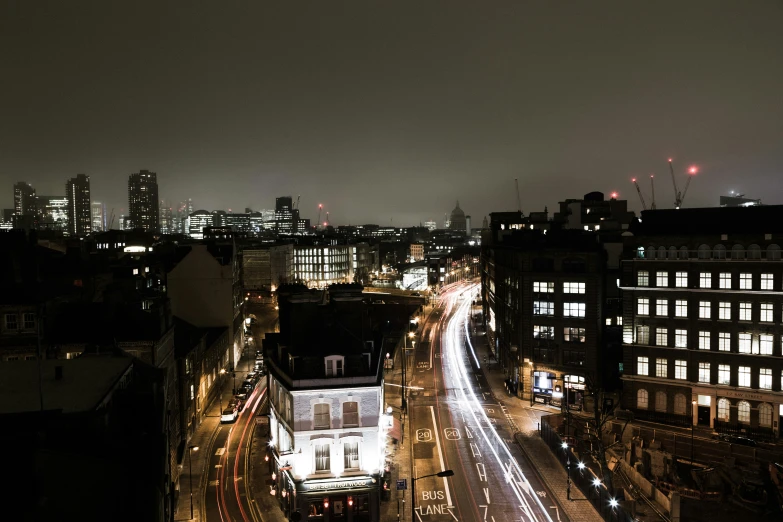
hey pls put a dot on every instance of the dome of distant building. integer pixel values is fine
(457, 221)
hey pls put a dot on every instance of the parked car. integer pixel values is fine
(236, 403)
(241, 395)
(248, 385)
(736, 439)
(229, 415)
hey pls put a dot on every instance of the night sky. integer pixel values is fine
(392, 110)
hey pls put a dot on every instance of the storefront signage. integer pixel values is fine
(336, 484)
(540, 399)
(742, 395)
(542, 391)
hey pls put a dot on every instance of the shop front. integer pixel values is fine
(354, 499)
(573, 391)
(543, 386)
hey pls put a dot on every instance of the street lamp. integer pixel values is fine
(191, 449)
(445, 473)
(220, 390)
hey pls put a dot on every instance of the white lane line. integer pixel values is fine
(440, 454)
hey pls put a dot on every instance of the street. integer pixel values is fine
(456, 425)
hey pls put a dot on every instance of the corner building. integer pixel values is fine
(328, 430)
(702, 305)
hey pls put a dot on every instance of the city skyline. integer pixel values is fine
(351, 104)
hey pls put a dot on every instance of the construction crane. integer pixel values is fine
(679, 197)
(639, 191)
(328, 223)
(320, 206)
(519, 203)
(652, 187)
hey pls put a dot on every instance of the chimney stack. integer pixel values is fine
(58, 373)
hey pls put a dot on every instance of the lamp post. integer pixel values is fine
(445, 473)
(403, 390)
(220, 390)
(693, 406)
(191, 449)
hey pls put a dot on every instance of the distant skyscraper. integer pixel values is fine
(431, 225)
(284, 215)
(98, 217)
(166, 220)
(77, 190)
(24, 199)
(143, 208)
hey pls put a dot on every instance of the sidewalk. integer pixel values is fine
(547, 467)
(194, 468)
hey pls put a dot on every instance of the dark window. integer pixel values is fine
(574, 357)
(543, 264)
(574, 266)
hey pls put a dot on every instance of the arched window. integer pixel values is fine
(754, 252)
(765, 415)
(641, 399)
(640, 252)
(719, 252)
(738, 252)
(684, 253)
(661, 252)
(660, 401)
(680, 403)
(773, 252)
(724, 406)
(705, 252)
(672, 252)
(743, 412)
(650, 252)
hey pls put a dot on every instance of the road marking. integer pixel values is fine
(220, 451)
(423, 435)
(482, 472)
(490, 410)
(451, 434)
(468, 433)
(475, 450)
(557, 512)
(486, 495)
(440, 454)
(485, 510)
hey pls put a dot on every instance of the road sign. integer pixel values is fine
(402, 484)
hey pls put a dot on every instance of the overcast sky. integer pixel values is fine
(392, 110)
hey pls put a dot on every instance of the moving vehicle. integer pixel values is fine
(736, 439)
(229, 415)
(241, 396)
(236, 403)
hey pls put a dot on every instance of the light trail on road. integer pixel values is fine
(458, 379)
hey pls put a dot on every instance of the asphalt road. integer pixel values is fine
(457, 427)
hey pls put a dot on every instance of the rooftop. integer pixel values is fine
(85, 383)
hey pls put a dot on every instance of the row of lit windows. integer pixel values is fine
(705, 376)
(725, 280)
(748, 343)
(724, 309)
(570, 334)
(569, 309)
(548, 287)
(724, 407)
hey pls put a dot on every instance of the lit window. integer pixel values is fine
(743, 412)
(642, 278)
(350, 414)
(765, 378)
(680, 308)
(662, 368)
(744, 311)
(660, 401)
(642, 366)
(641, 399)
(724, 342)
(704, 340)
(322, 453)
(681, 279)
(542, 287)
(745, 281)
(681, 338)
(679, 404)
(135, 271)
(765, 344)
(573, 309)
(743, 376)
(619, 321)
(765, 415)
(767, 280)
(662, 307)
(321, 419)
(643, 306)
(662, 279)
(724, 310)
(744, 342)
(351, 455)
(724, 280)
(705, 280)
(680, 369)
(704, 372)
(724, 374)
(573, 288)
(544, 332)
(723, 410)
(642, 334)
(766, 313)
(573, 335)
(705, 310)
(543, 308)
(661, 337)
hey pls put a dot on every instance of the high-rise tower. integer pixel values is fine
(143, 203)
(77, 190)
